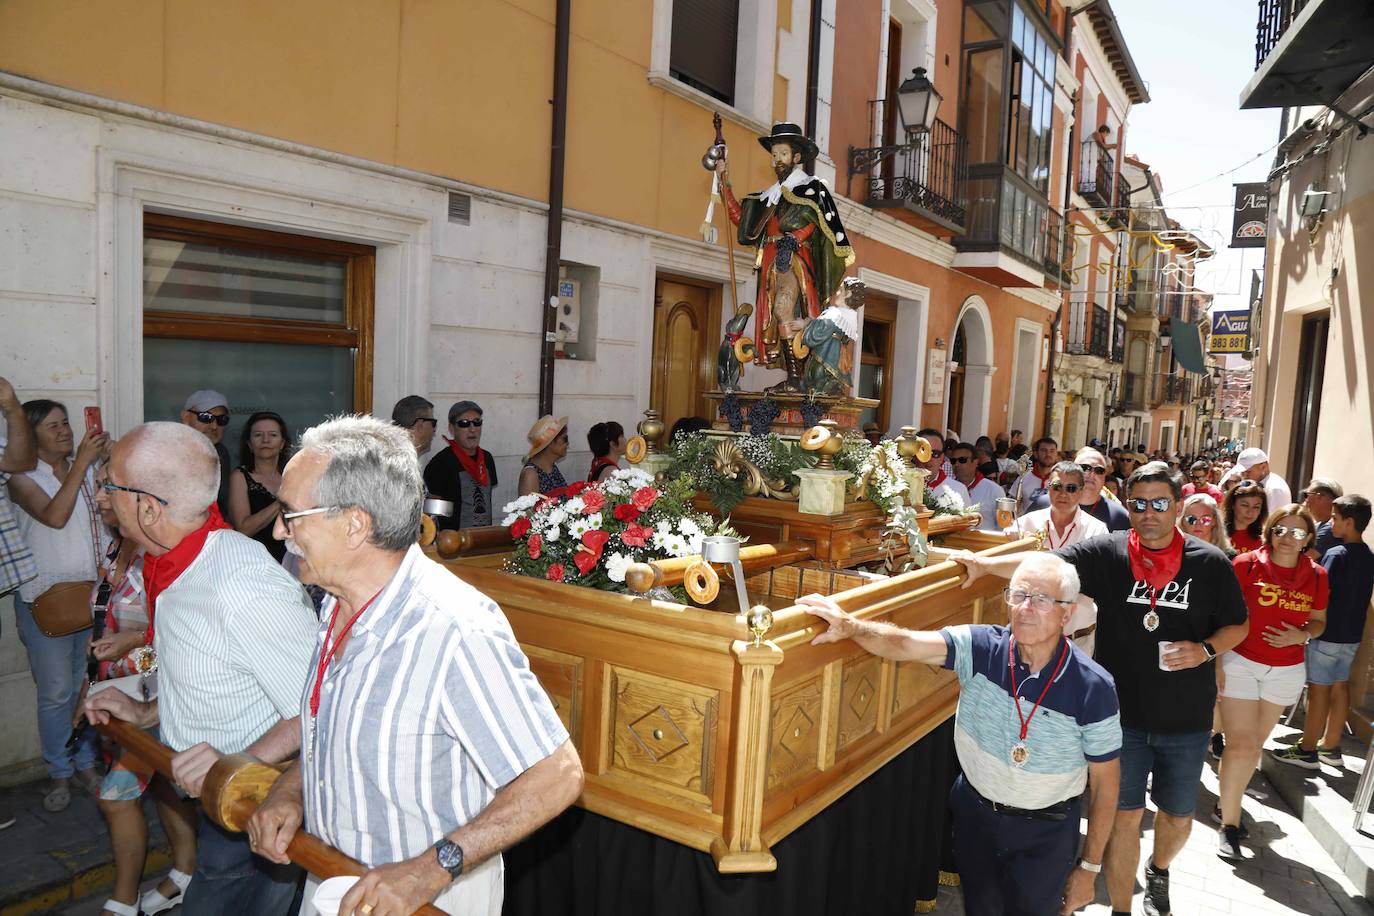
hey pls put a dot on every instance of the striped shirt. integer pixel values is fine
(16, 560)
(1077, 722)
(427, 712)
(233, 636)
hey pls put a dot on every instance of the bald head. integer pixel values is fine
(173, 462)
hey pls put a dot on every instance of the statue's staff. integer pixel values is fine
(708, 162)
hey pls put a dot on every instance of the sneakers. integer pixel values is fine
(1228, 842)
(1297, 757)
(1156, 891)
(1218, 745)
(1216, 819)
(1330, 755)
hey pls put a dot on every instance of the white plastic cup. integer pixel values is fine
(330, 894)
(1165, 648)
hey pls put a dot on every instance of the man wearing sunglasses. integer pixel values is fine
(415, 415)
(1200, 481)
(983, 492)
(1168, 605)
(464, 473)
(207, 412)
(939, 484)
(1107, 511)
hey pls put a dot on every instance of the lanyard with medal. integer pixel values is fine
(327, 655)
(1019, 753)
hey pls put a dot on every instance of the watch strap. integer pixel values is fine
(1207, 647)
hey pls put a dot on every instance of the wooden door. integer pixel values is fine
(686, 332)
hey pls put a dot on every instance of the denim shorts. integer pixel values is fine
(1175, 760)
(1329, 662)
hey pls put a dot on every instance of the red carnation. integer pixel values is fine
(576, 487)
(644, 498)
(536, 545)
(636, 535)
(593, 501)
(519, 528)
(626, 512)
(554, 572)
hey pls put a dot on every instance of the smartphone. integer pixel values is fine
(93, 420)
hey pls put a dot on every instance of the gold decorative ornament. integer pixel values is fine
(744, 350)
(759, 621)
(908, 445)
(635, 449)
(651, 428)
(702, 582)
(799, 349)
(823, 439)
(728, 460)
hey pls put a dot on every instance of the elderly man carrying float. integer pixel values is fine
(1036, 715)
(426, 744)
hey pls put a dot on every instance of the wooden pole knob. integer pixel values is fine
(235, 778)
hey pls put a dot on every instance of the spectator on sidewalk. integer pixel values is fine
(1244, 510)
(1286, 595)
(415, 415)
(1253, 464)
(548, 446)
(61, 525)
(207, 411)
(1092, 497)
(607, 442)
(264, 447)
(17, 455)
(1018, 802)
(982, 492)
(1318, 498)
(233, 634)
(1350, 577)
(1200, 481)
(464, 473)
(1153, 587)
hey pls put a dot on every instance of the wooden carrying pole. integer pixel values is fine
(233, 789)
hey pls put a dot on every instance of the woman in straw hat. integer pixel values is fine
(548, 445)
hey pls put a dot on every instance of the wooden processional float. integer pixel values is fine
(720, 726)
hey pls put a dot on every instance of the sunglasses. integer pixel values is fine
(1159, 504)
(1066, 487)
(430, 420)
(1205, 521)
(219, 419)
(464, 424)
(1284, 531)
(1092, 469)
(964, 460)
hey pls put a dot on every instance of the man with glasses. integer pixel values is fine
(232, 632)
(1319, 498)
(983, 492)
(464, 473)
(1167, 606)
(207, 411)
(415, 415)
(1036, 718)
(939, 484)
(1036, 480)
(1200, 481)
(1094, 502)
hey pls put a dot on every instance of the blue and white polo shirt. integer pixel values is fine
(1078, 721)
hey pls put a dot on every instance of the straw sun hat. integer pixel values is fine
(543, 432)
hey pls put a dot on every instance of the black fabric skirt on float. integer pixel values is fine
(877, 850)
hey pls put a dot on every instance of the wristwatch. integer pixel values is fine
(1211, 653)
(1091, 867)
(450, 856)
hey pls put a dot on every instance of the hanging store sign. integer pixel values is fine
(1230, 332)
(1251, 215)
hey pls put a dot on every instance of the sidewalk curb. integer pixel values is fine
(1327, 815)
(39, 899)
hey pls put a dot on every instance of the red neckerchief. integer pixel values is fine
(161, 571)
(474, 465)
(939, 479)
(1155, 567)
(977, 479)
(597, 465)
(1301, 578)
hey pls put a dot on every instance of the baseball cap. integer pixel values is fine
(1250, 457)
(462, 407)
(206, 399)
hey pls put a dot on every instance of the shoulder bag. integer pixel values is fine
(65, 608)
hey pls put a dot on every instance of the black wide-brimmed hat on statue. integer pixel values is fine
(790, 133)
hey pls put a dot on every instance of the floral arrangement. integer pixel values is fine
(589, 534)
(877, 471)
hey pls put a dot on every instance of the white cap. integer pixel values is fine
(1250, 457)
(206, 399)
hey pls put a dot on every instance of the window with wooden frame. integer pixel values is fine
(274, 321)
(875, 359)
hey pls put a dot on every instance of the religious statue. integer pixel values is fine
(830, 339)
(802, 250)
(735, 349)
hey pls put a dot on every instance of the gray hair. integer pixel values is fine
(176, 463)
(372, 467)
(1067, 469)
(1061, 569)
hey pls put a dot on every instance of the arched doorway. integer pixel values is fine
(970, 386)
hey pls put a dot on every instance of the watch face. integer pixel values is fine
(450, 854)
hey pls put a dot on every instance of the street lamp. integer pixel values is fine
(918, 100)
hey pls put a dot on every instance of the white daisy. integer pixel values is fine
(578, 527)
(616, 564)
(574, 506)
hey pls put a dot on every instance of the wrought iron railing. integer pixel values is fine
(1089, 331)
(1132, 391)
(1118, 340)
(1170, 389)
(1275, 16)
(1056, 247)
(1097, 173)
(930, 172)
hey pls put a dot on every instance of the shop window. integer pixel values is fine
(274, 321)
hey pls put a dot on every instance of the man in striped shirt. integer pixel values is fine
(427, 745)
(233, 634)
(1036, 716)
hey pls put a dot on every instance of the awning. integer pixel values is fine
(1187, 345)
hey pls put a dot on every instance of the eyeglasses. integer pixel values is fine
(964, 460)
(1092, 469)
(1037, 601)
(1205, 521)
(1284, 531)
(464, 424)
(219, 419)
(1200, 475)
(286, 517)
(1159, 504)
(430, 420)
(113, 487)
(1066, 487)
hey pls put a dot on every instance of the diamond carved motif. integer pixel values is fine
(862, 698)
(796, 735)
(657, 734)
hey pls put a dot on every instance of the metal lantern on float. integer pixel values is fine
(918, 100)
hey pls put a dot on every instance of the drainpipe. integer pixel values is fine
(1063, 239)
(554, 238)
(813, 68)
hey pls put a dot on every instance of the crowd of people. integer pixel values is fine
(1175, 606)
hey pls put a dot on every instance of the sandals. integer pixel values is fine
(154, 902)
(119, 909)
(57, 797)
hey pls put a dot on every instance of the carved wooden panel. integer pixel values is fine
(560, 674)
(797, 731)
(859, 682)
(664, 731)
(914, 682)
(787, 582)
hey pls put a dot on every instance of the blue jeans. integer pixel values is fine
(230, 880)
(1175, 760)
(58, 665)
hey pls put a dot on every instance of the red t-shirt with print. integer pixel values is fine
(1275, 596)
(1244, 542)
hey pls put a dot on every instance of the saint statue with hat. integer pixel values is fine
(803, 250)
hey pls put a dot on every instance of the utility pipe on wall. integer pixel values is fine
(554, 237)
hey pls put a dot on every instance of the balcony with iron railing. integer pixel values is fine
(1275, 16)
(1089, 331)
(1131, 391)
(1118, 340)
(1309, 52)
(1097, 175)
(1120, 216)
(1171, 389)
(923, 181)
(1058, 249)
